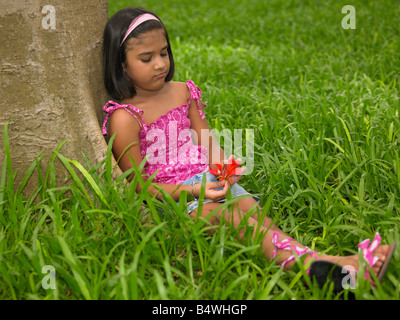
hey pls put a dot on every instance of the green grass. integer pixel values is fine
(324, 106)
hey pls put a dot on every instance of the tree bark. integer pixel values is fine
(51, 79)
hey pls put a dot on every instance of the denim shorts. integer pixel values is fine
(236, 190)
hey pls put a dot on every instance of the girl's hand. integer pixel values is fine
(210, 190)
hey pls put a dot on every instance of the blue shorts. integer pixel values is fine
(236, 190)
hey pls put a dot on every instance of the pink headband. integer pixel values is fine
(137, 21)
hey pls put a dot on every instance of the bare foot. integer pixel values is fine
(381, 252)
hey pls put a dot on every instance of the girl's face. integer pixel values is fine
(147, 61)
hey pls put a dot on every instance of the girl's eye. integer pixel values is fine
(165, 54)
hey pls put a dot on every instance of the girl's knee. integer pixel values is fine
(207, 209)
(208, 212)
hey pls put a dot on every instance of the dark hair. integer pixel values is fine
(116, 81)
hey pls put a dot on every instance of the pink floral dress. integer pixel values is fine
(167, 141)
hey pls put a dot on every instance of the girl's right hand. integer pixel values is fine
(211, 191)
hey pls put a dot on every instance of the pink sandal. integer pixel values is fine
(324, 271)
(367, 252)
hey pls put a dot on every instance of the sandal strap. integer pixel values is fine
(368, 250)
(286, 245)
(282, 245)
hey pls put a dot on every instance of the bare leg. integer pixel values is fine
(267, 228)
(235, 217)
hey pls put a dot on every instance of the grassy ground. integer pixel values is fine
(324, 106)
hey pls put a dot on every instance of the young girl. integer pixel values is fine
(153, 118)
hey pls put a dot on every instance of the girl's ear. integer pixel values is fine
(123, 66)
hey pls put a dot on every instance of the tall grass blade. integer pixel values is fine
(77, 272)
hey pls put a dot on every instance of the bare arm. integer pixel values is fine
(203, 131)
(215, 152)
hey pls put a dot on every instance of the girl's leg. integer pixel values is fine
(267, 229)
(235, 217)
(247, 203)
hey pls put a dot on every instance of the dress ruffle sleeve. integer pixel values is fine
(195, 94)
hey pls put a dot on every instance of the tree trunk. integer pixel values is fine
(51, 79)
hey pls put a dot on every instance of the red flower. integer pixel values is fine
(225, 171)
